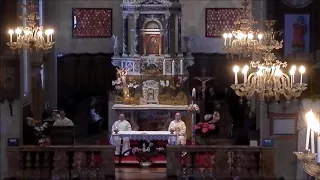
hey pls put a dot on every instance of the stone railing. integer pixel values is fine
(220, 162)
(61, 162)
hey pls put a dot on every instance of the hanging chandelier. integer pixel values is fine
(30, 35)
(243, 41)
(269, 80)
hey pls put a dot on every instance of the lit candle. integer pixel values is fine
(47, 38)
(172, 68)
(164, 67)
(193, 92)
(236, 70)
(10, 34)
(51, 37)
(244, 72)
(225, 36)
(181, 67)
(308, 138)
(312, 142)
(318, 148)
(302, 70)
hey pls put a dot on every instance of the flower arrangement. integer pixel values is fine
(204, 128)
(193, 108)
(39, 130)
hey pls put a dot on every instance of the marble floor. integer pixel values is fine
(140, 173)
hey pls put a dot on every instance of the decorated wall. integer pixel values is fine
(193, 24)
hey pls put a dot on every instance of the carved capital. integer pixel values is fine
(124, 16)
(167, 16)
(136, 16)
(179, 16)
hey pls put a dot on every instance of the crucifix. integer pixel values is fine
(204, 79)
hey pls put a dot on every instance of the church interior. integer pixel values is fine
(160, 89)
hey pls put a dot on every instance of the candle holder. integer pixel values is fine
(309, 163)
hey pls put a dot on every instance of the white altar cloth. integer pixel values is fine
(145, 135)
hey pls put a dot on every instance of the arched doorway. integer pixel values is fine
(152, 37)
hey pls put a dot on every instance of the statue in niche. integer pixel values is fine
(115, 45)
(187, 43)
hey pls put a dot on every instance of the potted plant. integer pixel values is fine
(208, 129)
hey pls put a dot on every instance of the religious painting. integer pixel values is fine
(91, 22)
(9, 78)
(296, 34)
(152, 44)
(220, 20)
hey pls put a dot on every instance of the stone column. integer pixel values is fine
(135, 30)
(36, 84)
(167, 34)
(179, 35)
(125, 35)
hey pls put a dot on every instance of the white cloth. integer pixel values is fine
(179, 128)
(63, 122)
(120, 125)
(95, 117)
(146, 135)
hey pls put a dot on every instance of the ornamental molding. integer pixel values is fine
(297, 3)
(146, 3)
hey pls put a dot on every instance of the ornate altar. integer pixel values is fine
(152, 69)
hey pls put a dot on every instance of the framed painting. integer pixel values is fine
(283, 125)
(91, 22)
(9, 78)
(220, 20)
(296, 34)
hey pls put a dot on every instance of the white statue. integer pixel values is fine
(115, 45)
(187, 43)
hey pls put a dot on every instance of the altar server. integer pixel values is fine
(179, 128)
(121, 125)
(62, 120)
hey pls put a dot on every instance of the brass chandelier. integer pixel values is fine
(30, 35)
(269, 80)
(244, 41)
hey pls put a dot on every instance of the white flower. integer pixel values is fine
(130, 85)
(37, 128)
(135, 86)
(167, 83)
(162, 83)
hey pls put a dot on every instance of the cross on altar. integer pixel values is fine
(204, 79)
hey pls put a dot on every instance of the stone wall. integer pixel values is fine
(11, 127)
(193, 24)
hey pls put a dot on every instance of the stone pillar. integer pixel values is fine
(167, 34)
(125, 35)
(36, 84)
(179, 35)
(135, 35)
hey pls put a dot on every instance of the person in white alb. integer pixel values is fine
(179, 128)
(121, 125)
(62, 120)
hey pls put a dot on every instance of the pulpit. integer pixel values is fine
(62, 135)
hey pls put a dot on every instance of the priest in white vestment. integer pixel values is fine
(62, 120)
(179, 128)
(121, 125)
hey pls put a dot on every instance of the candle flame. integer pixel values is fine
(312, 121)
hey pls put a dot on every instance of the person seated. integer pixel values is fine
(179, 128)
(62, 120)
(121, 125)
